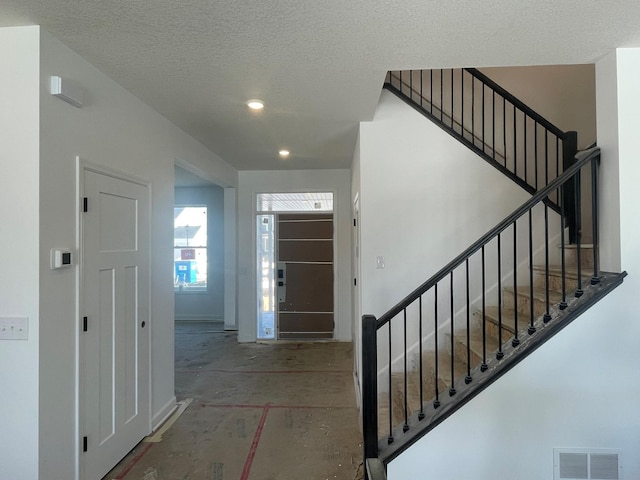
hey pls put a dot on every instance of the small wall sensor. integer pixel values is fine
(67, 90)
(61, 258)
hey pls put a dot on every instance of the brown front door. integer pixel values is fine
(304, 276)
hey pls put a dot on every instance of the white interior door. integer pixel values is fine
(115, 300)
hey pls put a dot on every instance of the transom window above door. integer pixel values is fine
(295, 202)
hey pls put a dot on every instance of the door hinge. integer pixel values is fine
(355, 223)
(85, 443)
(85, 324)
(355, 282)
(85, 204)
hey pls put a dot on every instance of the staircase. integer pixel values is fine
(487, 331)
(507, 293)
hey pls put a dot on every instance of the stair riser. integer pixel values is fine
(586, 257)
(462, 355)
(555, 282)
(492, 330)
(524, 305)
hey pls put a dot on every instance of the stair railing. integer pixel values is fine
(448, 300)
(493, 123)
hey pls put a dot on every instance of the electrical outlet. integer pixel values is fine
(14, 328)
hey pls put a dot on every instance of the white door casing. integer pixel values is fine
(114, 298)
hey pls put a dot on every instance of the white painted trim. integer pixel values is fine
(230, 259)
(201, 173)
(165, 412)
(83, 166)
(334, 220)
(198, 317)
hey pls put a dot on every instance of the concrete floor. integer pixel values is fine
(282, 411)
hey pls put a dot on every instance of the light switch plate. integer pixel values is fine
(14, 328)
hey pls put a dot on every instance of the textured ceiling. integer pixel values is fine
(318, 65)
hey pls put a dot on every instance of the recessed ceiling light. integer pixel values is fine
(255, 104)
(284, 153)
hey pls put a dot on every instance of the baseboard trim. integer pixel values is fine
(197, 318)
(165, 412)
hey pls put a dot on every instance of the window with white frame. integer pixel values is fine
(190, 248)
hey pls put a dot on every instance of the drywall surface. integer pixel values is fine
(424, 198)
(563, 94)
(580, 388)
(114, 130)
(356, 268)
(19, 289)
(253, 182)
(608, 126)
(578, 391)
(209, 305)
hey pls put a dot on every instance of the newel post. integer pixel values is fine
(569, 150)
(370, 386)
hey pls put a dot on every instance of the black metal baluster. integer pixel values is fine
(421, 88)
(431, 90)
(500, 353)
(401, 84)
(535, 151)
(546, 156)
(504, 130)
(594, 216)
(473, 112)
(452, 389)
(561, 199)
(436, 402)
(493, 123)
(558, 157)
(468, 378)
(558, 160)
(451, 112)
(484, 366)
(515, 143)
(547, 315)
(421, 414)
(516, 341)
(524, 120)
(578, 200)
(390, 436)
(405, 427)
(532, 328)
(411, 84)
(484, 143)
(441, 95)
(462, 102)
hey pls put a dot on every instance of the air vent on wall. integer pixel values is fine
(586, 464)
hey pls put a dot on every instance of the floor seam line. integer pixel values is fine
(254, 445)
(133, 462)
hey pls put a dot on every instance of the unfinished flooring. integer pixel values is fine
(259, 412)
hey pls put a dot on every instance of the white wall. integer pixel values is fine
(355, 270)
(424, 198)
(253, 182)
(608, 105)
(581, 388)
(563, 94)
(19, 289)
(116, 130)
